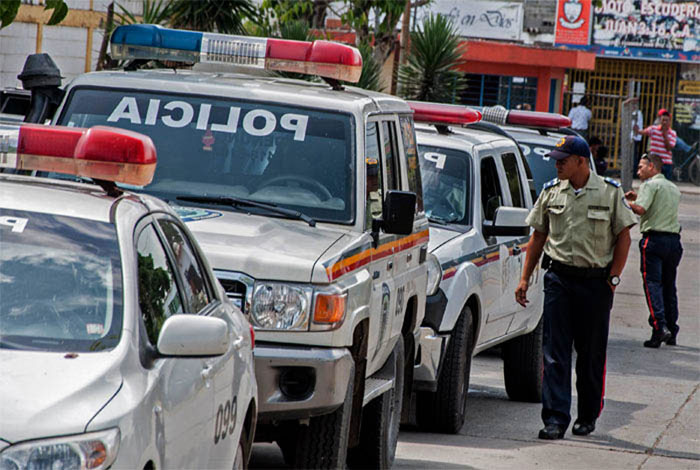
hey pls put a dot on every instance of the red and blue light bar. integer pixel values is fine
(153, 42)
(101, 152)
(446, 114)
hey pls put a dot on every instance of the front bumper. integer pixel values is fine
(432, 351)
(297, 382)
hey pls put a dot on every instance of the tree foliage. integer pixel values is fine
(221, 16)
(430, 72)
(153, 12)
(9, 9)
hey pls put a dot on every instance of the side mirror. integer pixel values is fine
(193, 335)
(508, 221)
(399, 211)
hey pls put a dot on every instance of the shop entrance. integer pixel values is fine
(606, 88)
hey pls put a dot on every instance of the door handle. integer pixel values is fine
(389, 265)
(409, 257)
(206, 372)
(375, 275)
(517, 250)
(238, 342)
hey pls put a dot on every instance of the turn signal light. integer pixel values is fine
(329, 308)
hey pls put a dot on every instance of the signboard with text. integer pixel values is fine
(479, 18)
(647, 30)
(573, 23)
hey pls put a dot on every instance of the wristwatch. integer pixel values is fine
(614, 280)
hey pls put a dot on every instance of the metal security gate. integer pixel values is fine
(606, 88)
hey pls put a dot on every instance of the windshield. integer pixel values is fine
(446, 184)
(60, 283)
(293, 157)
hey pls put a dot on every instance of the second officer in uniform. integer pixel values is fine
(582, 223)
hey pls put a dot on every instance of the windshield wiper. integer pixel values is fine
(241, 202)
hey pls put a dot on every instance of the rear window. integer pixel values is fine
(294, 157)
(60, 283)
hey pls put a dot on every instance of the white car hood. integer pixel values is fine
(45, 394)
(439, 236)
(259, 246)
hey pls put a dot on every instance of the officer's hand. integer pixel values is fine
(612, 288)
(631, 196)
(521, 293)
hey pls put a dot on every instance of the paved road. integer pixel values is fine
(652, 403)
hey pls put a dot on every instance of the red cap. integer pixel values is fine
(662, 112)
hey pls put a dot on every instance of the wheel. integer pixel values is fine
(323, 443)
(444, 410)
(694, 171)
(380, 422)
(522, 366)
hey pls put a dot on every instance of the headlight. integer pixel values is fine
(91, 451)
(434, 274)
(278, 306)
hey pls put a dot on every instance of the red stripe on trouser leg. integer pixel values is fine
(602, 393)
(646, 286)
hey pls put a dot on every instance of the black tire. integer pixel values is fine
(324, 442)
(522, 366)
(380, 422)
(444, 410)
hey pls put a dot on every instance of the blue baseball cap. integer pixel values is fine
(570, 145)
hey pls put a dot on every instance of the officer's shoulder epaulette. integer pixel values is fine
(551, 183)
(612, 181)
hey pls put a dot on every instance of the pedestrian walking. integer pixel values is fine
(662, 139)
(638, 122)
(580, 115)
(660, 247)
(582, 223)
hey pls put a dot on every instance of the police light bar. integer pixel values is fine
(322, 58)
(448, 114)
(101, 152)
(500, 115)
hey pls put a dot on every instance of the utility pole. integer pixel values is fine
(629, 106)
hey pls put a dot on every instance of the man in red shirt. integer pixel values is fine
(662, 139)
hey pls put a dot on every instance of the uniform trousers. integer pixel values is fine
(576, 312)
(660, 255)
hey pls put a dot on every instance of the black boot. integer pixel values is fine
(657, 337)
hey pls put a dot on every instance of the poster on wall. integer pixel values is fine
(573, 22)
(479, 18)
(666, 30)
(686, 109)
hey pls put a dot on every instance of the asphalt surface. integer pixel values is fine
(652, 398)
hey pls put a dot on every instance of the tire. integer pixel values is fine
(324, 442)
(380, 422)
(522, 366)
(444, 410)
(694, 171)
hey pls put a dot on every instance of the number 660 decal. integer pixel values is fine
(225, 420)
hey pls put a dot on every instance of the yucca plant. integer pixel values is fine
(220, 16)
(371, 71)
(154, 12)
(430, 73)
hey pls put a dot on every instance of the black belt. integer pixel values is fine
(660, 234)
(575, 271)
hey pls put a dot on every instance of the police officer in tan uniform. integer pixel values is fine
(660, 247)
(582, 222)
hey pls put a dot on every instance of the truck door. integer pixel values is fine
(382, 175)
(491, 259)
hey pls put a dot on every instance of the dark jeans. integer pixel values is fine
(576, 312)
(660, 256)
(667, 170)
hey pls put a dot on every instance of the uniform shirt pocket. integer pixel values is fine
(599, 218)
(556, 217)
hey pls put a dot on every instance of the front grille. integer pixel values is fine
(235, 291)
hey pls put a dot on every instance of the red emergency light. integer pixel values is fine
(516, 117)
(101, 152)
(447, 114)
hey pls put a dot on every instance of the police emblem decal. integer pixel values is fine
(572, 12)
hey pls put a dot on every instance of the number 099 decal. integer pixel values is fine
(225, 422)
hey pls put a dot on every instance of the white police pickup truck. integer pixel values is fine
(477, 198)
(306, 199)
(118, 347)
